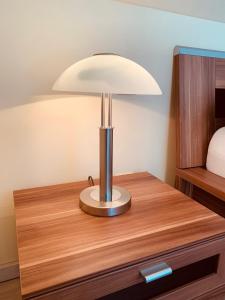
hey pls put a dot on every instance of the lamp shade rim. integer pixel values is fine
(107, 73)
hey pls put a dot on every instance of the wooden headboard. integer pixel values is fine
(200, 102)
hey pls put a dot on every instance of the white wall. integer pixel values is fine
(206, 9)
(51, 139)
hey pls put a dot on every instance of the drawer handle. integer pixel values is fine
(156, 272)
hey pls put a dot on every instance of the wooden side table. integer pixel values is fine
(67, 254)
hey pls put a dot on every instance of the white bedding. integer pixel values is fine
(216, 153)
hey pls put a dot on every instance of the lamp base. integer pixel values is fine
(90, 203)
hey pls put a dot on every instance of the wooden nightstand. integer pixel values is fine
(67, 254)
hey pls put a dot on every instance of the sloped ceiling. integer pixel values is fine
(206, 9)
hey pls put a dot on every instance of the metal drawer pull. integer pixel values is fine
(156, 272)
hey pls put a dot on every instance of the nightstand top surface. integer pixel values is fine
(59, 244)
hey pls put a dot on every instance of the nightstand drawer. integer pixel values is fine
(196, 270)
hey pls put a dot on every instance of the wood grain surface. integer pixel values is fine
(195, 108)
(58, 244)
(220, 73)
(205, 180)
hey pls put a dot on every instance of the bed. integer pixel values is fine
(199, 93)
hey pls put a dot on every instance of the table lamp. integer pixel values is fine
(106, 74)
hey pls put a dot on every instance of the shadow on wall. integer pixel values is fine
(150, 102)
(8, 248)
(140, 100)
(171, 144)
(144, 118)
(155, 124)
(160, 136)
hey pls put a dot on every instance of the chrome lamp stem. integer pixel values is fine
(105, 199)
(106, 152)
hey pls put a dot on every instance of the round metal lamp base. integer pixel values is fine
(90, 203)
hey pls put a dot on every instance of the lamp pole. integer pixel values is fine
(106, 151)
(105, 199)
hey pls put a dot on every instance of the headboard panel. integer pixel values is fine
(195, 108)
(220, 107)
(220, 92)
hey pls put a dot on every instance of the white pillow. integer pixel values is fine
(216, 153)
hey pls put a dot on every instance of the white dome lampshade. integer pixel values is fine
(216, 153)
(107, 73)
